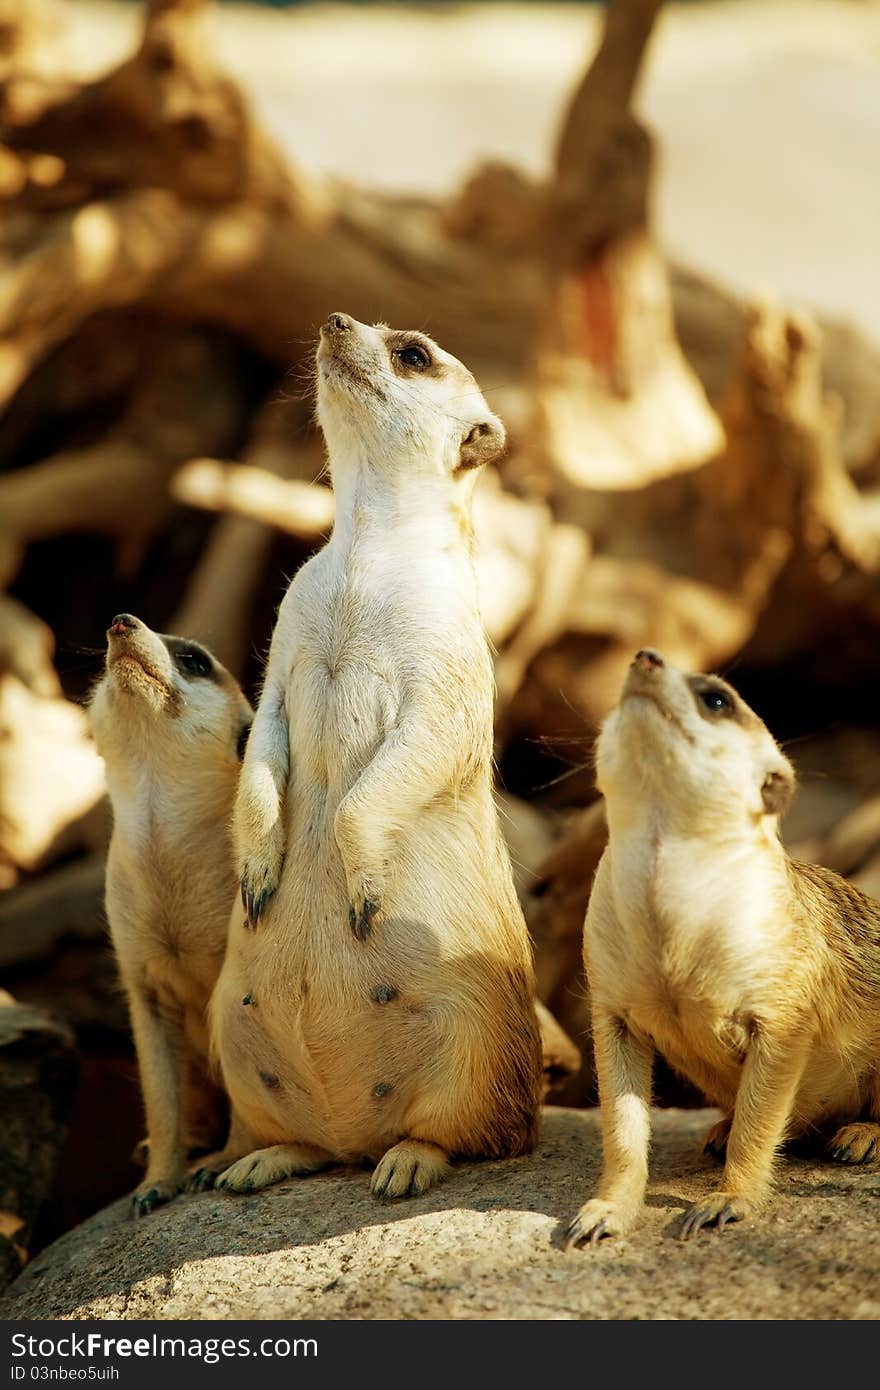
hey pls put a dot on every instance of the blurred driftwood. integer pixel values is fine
(50, 778)
(37, 1081)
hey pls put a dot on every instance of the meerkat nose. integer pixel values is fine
(337, 323)
(122, 623)
(648, 660)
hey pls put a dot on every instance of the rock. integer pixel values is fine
(486, 1244)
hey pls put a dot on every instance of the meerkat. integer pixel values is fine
(377, 1002)
(171, 724)
(756, 976)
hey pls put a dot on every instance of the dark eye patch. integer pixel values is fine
(414, 356)
(714, 700)
(190, 659)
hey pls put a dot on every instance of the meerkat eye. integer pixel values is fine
(192, 661)
(716, 701)
(413, 356)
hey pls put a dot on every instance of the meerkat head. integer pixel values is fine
(165, 694)
(690, 744)
(397, 400)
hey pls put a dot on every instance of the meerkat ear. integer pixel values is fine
(483, 443)
(777, 789)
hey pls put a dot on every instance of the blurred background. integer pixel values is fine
(650, 230)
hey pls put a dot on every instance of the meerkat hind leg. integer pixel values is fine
(859, 1142)
(204, 1172)
(409, 1169)
(715, 1142)
(264, 1167)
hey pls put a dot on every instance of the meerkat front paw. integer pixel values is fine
(409, 1169)
(260, 875)
(596, 1220)
(150, 1195)
(716, 1210)
(856, 1143)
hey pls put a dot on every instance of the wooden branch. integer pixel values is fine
(305, 510)
(602, 149)
(617, 404)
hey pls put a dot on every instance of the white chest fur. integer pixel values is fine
(683, 929)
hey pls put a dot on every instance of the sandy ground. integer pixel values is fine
(767, 111)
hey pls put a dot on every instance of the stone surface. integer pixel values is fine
(486, 1244)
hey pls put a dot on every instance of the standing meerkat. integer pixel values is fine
(170, 723)
(384, 1008)
(756, 976)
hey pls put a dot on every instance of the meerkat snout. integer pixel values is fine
(648, 660)
(689, 738)
(337, 323)
(393, 400)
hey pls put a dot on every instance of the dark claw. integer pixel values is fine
(728, 1214)
(692, 1222)
(202, 1180)
(142, 1203)
(574, 1235)
(361, 923)
(698, 1217)
(253, 903)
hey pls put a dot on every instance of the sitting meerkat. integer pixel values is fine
(756, 976)
(171, 724)
(384, 1008)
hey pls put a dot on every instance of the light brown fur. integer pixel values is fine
(756, 976)
(389, 976)
(171, 740)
